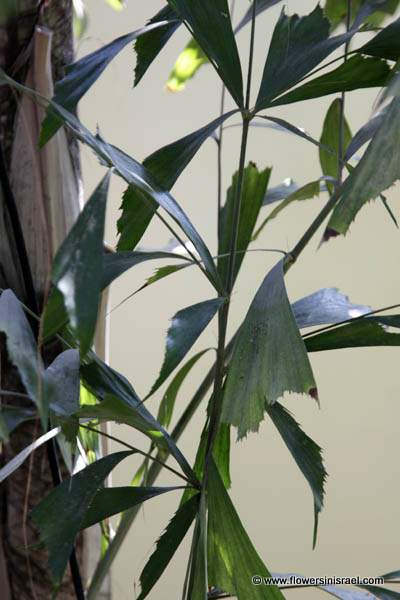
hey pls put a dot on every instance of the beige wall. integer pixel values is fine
(359, 389)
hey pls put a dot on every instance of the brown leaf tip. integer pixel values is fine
(313, 392)
(329, 233)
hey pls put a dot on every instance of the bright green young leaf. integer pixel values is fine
(386, 44)
(233, 560)
(269, 357)
(70, 500)
(116, 4)
(149, 45)
(186, 66)
(363, 332)
(112, 501)
(306, 453)
(22, 350)
(186, 327)
(378, 169)
(79, 285)
(254, 187)
(81, 75)
(306, 192)
(167, 545)
(211, 24)
(357, 73)
(167, 404)
(330, 137)
(326, 306)
(117, 263)
(371, 12)
(298, 45)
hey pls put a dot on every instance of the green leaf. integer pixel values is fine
(381, 593)
(261, 6)
(330, 137)
(62, 381)
(280, 192)
(269, 357)
(283, 124)
(167, 164)
(149, 45)
(70, 500)
(326, 306)
(386, 44)
(167, 404)
(186, 326)
(364, 134)
(79, 285)
(306, 453)
(391, 575)
(112, 501)
(116, 4)
(211, 25)
(120, 403)
(138, 209)
(22, 350)
(196, 587)
(186, 66)
(81, 75)
(254, 187)
(133, 172)
(298, 45)
(357, 73)
(233, 559)
(117, 263)
(365, 331)
(167, 545)
(378, 169)
(306, 192)
(11, 417)
(371, 12)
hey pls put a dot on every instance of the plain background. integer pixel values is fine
(358, 424)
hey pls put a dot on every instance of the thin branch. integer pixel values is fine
(137, 450)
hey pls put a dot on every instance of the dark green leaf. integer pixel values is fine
(233, 559)
(306, 453)
(269, 357)
(211, 25)
(282, 123)
(167, 545)
(22, 350)
(12, 416)
(330, 137)
(81, 75)
(186, 326)
(149, 45)
(358, 72)
(364, 134)
(326, 306)
(168, 402)
(129, 169)
(298, 45)
(306, 192)
(116, 263)
(79, 285)
(391, 575)
(167, 164)
(112, 501)
(254, 187)
(70, 500)
(261, 6)
(197, 588)
(367, 331)
(386, 44)
(120, 403)
(62, 382)
(378, 169)
(138, 209)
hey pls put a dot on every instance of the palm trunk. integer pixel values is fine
(36, 43)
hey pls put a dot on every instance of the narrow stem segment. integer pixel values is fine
(341, 148)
